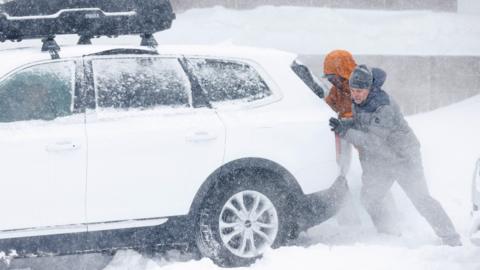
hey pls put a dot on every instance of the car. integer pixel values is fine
(475, 232)
(224, 148)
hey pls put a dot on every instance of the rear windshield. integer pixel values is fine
(308, 78)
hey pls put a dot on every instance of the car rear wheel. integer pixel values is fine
(241, 219)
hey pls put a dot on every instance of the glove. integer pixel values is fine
(338, 126)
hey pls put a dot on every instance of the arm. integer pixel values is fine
(380, 127)
(332, 99)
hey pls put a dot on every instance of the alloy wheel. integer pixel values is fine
(248, 224)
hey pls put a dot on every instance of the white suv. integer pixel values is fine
(227, 148)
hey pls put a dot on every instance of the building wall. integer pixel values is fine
(438, 5)
(469, 6)
(420, 83)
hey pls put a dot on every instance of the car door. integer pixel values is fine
(43, 151)
(149, 149)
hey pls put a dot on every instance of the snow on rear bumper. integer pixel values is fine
(322, 205)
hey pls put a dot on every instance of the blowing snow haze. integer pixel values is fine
(432, 60)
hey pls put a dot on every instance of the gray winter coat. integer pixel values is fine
(379, 130)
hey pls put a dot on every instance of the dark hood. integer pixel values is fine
(379, 77)
(377, 97)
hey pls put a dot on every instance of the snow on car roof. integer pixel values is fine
(17, 57)
(225, 51)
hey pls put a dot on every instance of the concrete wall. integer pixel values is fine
(438, 5)
(421, 83)
(468, 6)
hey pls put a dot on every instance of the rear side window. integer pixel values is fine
(140, 83)
(304, 73)
(229, 81)
(41, 92)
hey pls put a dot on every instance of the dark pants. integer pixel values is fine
(379, 176)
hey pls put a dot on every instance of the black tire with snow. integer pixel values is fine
(257, 227)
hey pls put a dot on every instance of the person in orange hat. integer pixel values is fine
(337, 68)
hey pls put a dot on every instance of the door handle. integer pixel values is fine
(201, 136)
(62, 147)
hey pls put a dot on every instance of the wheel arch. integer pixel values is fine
(246, 164)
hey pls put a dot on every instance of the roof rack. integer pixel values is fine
(44, 19)
(51, 46)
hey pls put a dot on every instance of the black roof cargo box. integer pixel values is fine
(28, 19)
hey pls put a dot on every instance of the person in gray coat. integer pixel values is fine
(389, 151)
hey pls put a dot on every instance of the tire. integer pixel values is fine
(241, 218)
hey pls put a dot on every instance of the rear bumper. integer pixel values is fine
(320, 206)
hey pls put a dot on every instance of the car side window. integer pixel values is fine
(40, 92)
(229, 81)
(141, 83)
